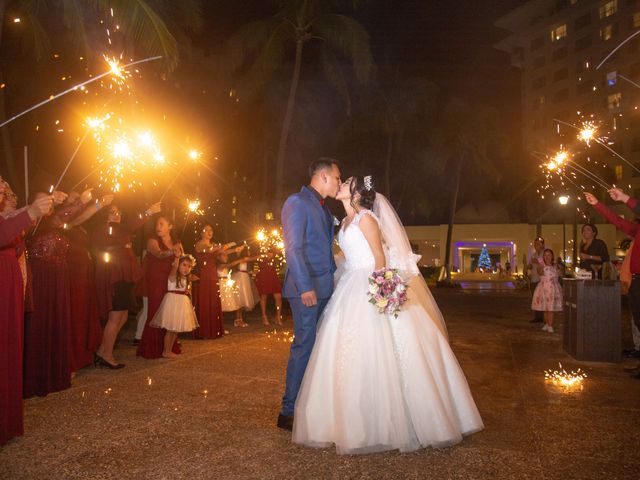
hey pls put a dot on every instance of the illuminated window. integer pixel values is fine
(608, 9)
(559, 33)
(606, 32)
(618, 170)
(613, 101)
(636, 19)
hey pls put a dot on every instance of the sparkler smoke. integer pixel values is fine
(113, 70)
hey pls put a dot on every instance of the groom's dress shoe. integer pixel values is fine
(285, 422)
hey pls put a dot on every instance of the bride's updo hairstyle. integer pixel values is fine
(364, 187)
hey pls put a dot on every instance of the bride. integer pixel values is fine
(375, 382)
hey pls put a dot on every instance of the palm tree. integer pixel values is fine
(262, 47)
(150, 27)
(468, 139)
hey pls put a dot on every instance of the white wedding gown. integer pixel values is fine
(375, 382)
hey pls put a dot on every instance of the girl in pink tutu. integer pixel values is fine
(176, 313)
(547, 297)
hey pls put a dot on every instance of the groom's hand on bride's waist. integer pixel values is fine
(309, 299)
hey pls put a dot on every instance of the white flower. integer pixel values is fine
(336, 222)
(400, 288)
(373, 289)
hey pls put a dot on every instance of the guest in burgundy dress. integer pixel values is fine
(206, 290)
(86, 332)
(47, 338)
(161, 249)
(268, 283)
(12, 313)
(117, 271)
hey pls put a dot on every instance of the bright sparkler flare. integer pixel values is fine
(261, 236)
(587, 133)
(146, 138)
(115, 67)
(229, 282)
(567, 380)
(193, 206)
(551, 166)
(194, 154)
(561, 157)
(121, 149)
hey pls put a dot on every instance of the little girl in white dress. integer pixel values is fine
(176, 313)
(547, 297)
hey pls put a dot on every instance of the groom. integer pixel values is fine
(308, 283)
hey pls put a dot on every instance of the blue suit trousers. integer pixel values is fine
(305, 323)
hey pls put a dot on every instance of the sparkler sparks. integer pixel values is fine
(567, 380)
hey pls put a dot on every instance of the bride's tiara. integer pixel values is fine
(368, 182)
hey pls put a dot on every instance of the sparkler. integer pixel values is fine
(568, 381)
(588, 132)
(617, 48)
(114, 69)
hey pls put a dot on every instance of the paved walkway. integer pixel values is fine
(211, 413)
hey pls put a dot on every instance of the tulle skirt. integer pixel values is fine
(248, 294)
(375, 382)
(175, 314)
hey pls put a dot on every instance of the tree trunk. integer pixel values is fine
(454, 204)
(286, 124)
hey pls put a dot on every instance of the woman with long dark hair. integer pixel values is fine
(161, 250)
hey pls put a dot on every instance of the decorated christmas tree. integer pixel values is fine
(484, 262)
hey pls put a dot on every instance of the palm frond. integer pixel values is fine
(347, 36)
(74, 20)
(39, 42)
(251, 39)
(144, 26)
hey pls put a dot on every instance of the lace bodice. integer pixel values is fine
(173, 287)
(353, 244)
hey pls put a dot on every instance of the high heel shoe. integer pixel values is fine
(240, 323)
(98, 361)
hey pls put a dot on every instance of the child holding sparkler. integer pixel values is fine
(547, 297)
(176, 313)
(229, 293)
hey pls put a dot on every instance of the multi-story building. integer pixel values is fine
(559, 45)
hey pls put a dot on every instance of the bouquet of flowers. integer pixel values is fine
(387, 291)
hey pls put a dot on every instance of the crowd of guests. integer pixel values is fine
(67, 291)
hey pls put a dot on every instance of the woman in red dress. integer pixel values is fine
(117, 271)
(161, 249)
(268, 283)
(47, 327)
(86, 332)
(12, 313)
(206, 290)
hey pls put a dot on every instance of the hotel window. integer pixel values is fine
(561, 95)
(539, 82)
(559, 33)
(559, 54)
(608, 9)
(606, 33)
(583, 43)
(582, 66)
(536, 43)
(618, 170)
(636, 20)
(582, 21)
(560, 74)
(613, 101)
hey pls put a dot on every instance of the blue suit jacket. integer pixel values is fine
(308, 239)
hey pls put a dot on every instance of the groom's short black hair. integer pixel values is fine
(321, 164)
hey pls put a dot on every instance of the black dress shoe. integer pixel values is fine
(136, 341)
(285, 422)
(102, 363)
